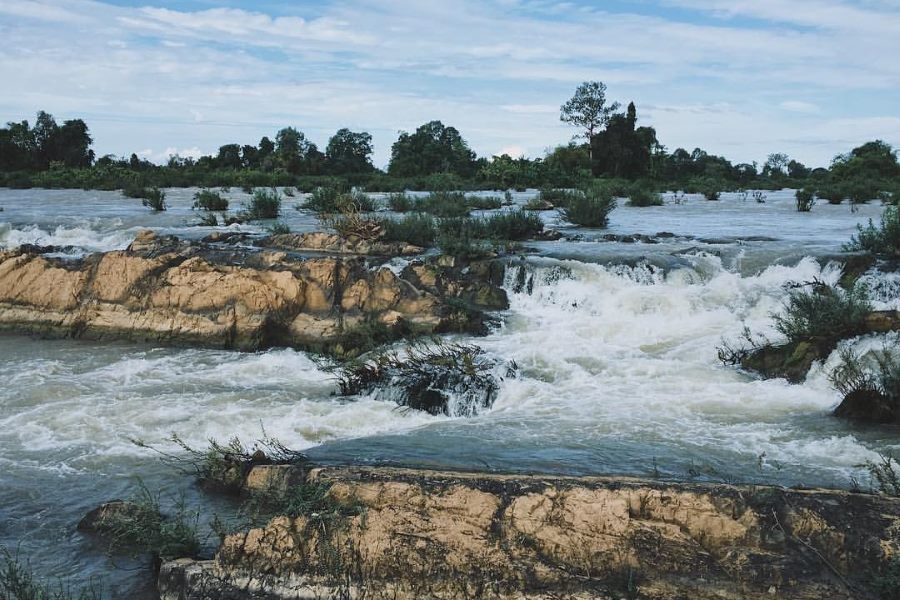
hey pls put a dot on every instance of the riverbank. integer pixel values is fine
(421, 533)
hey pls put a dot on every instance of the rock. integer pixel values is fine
(883, 321)
(168, 291)
(114, 509)
(869, 406)
(791, 361)
(427, 534)
(319, 241)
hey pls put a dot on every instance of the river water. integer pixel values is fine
(617, 373)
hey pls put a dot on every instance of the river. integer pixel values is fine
(615, 345)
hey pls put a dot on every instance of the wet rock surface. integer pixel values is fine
(172, 291)
(425, 534)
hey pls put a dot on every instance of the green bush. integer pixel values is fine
(17, 582)
(333, 199)
(806, 199)
(154, 199)
(833, 193)
(208, 220)
(883, 240)
(644, 196)
(460, 237)
(143, 528)
(265, 204)
(444, 205)
(418, 229)
(556, 197)
(590, 207)
(400, 202)
(133, 189)
(822, 313)
(484, 202)
(861, 191)
(210, 200)
(513, 225)
(278, 228)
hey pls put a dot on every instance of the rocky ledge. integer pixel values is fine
(425, 534)
(170, 291)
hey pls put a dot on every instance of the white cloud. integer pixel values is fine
(800, 107)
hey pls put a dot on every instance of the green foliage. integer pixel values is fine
(18, 582)
(886, 475)
(433, 148)
(264, 204)
(349, 152)
(834, 193)
(444, 204)
(417, 228)
(154, 199)
(400, 202)
(557, 197)
(142, 528)
(590, 207)
(425, 376)
(476, 202)
(209, 200)
(333, 199)
(461, 237)
(711, 188)
(644, 196)
(278, 228)
(806, 199)
(819, 312)
(587, 108)
(208, 220)
(883, 240)
(513, 225)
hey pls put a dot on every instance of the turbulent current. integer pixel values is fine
(617, 372)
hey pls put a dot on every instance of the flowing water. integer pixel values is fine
(615, 345)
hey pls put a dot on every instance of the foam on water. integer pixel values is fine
(82, 239)
(611, 353)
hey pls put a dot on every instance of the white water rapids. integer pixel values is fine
(618, 374)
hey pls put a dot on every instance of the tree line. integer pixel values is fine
(611, 145)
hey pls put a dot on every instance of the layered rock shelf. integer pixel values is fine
(426, 534)
(170, 291)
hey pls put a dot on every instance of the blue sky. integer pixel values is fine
(742, 78)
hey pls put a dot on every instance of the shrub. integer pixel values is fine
(416, 228)
(590, 208)
(445, 205)
(484, 202)
(143, 528)
(134, 190)
(556, 197)
(333, 199)
(816, 311)
(861, 191)
(883, 240)
(805, 200)
(17, 582)
(461, 237)
(513, 225)
(400, 203)
(644, 196)
(833, 193)
(437, 377)
(265, 204)
(209, 220)
(154, 199)
(875, 372)
(278, 228)
(711, 193)
(210, 200)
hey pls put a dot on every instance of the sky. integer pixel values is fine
(739, 78)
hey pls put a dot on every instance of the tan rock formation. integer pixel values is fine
(319, 241)
(423, 534)
(169, 291)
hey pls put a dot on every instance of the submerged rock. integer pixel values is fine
(868, 406)
(426, 534)
(319, 241)
(791, 361)
(166, 290)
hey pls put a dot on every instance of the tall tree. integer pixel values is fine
(433, 148)
(349, 152)
(587, 109)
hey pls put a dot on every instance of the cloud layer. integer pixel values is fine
(737, 77)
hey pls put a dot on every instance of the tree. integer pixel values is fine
(797, 170)
(776, 164)
(587, 109)
(433, 148)
(622, 149)
(349, 152)
(295, 154)
(229, 157)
